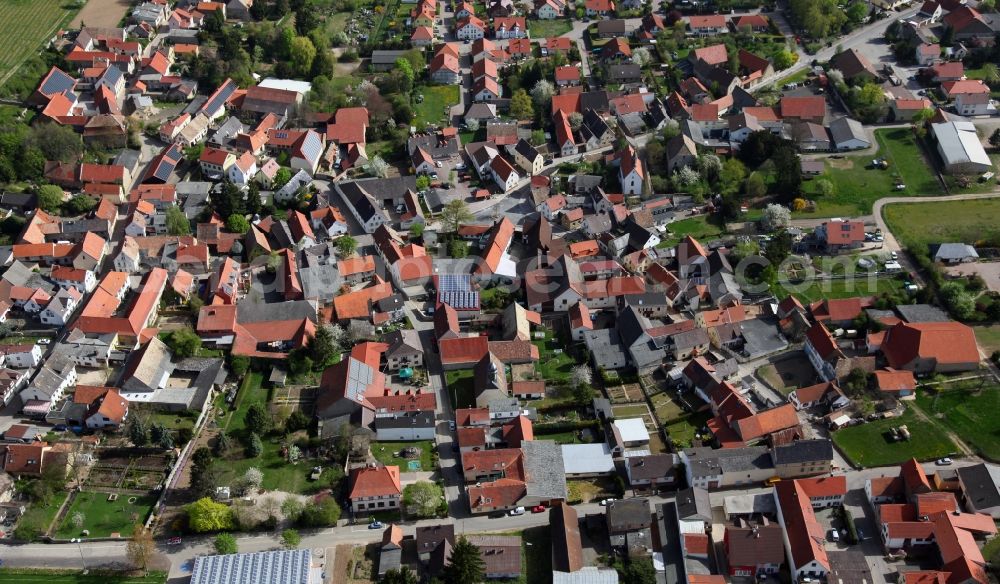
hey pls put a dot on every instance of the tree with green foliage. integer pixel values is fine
(423, 182)
(258, 420)
(237, 224)
(958, 300)
(466, 564)
(784, 59)
(454, 214)
(138, 432)
(995, 138)
(756, 187)
(417, 230)
(405, 70)
(824, 187)
(324, 513)
(290, 539)
(206, 515)
(56, 142)
(204, 477)
(991, 73)
(857, 11)
(50, 198)
(421, 499)
(779, 248)
(238, 365)
(322, 349)
(255, 447)
(346, 245)
(458, 249)
(732, 175)
(282, 177)
(521, 106)
(177, 222)
(79, 205)
(225, 544)
(183, 342)
(638, 571)
(788, 171)
(301, 53)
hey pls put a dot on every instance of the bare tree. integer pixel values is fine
(140, 548)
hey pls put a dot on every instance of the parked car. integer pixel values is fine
(516, 511)
(451, 425)
(834, 536)
(943, 461)
(43, 341)
(538, 509)
(375, 525)
(606, 502)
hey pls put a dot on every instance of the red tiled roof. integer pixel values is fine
(812, 106)
(713, 55)
(946, 343)
(374, 482)
(914, 478)
(767, 422)
(839, 309)
(894, 380)
(707, 21)
(463, 350)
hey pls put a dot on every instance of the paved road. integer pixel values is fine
(96, 554)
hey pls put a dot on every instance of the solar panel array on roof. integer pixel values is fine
(286, 566)
(312, 146)
(460, 299)
(56, 82)
(359, 377)
(221, 95)
(454, 282)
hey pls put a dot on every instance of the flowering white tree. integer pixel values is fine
(775, 217)
(581, 375)
(377, 167)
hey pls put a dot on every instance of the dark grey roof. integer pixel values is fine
(921, 313)
(227, 131)
(656, 113)
(594, 124)
(694, 503)
(595, 100)
(544, 469)
(633, 122)
(585, 183)
(624, 72)
(628, 515)
(849, 567)
(130, 160)
(430, 536)
(616, 26)
(18, 201)
(606, 347)
(803, 451)
(433, 145)
(705, 462)
(979, 483)
(653, 466)
(526, 150)
(362, 201)
(386, 57)
(248, 312)
(631, 326)
(691, 338)
(741, 99)
(405, 420)
(845, 128)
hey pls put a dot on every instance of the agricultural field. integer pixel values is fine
(30, 24)
(970, 412)
(868, 445)
(916, 225)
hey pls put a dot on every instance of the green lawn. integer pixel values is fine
(385, 452)
(42, 515)
(629, 411)
(436, 98)
(702, 228)
(988, 337)
(279, 474)
(682, 430)
(857, 185)
(846, 288)
(542, 29)
(970, 413)
(171, 421)
(22, 576)
(250, 393)
(35, 22)
(554, 363)
(867, 445)
(460, 388)
(918, 224)
(103, 517)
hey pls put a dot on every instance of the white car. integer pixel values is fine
(517, 511)
(894, 255)
(44, 341)
(834, 536)
(606, 502)
(943, 461)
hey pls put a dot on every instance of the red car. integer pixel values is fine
(538, 509)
